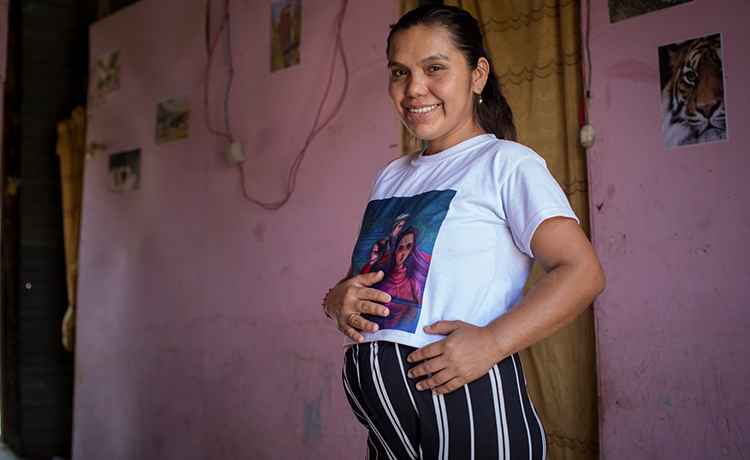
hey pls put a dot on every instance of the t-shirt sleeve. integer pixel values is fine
(530, 195)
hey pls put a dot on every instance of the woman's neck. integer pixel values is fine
(444, 143)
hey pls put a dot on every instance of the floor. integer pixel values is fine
(7, 454)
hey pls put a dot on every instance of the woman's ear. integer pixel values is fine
(480, 75)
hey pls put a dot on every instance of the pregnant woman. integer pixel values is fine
(452, 387)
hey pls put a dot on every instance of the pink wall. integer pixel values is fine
(200, 332)
(673, 326)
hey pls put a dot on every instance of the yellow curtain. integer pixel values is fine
(536, 48)
(71, 148)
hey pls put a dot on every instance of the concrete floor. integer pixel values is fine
(7, 454)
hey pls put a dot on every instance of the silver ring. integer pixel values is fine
(349, 321)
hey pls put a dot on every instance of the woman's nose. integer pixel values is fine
(416, 86)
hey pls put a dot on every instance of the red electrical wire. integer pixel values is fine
(207, 78)
(291, 181)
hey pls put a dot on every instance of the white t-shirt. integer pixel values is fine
(463, 251)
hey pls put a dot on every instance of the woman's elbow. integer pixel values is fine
(598, 281)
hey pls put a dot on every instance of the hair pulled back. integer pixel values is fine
(494, 114)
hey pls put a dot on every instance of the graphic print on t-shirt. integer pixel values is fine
(398, 236)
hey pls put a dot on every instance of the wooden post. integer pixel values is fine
(104, 8)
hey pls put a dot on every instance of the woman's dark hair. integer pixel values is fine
(382, 245)
(416, 264)
(494, 114)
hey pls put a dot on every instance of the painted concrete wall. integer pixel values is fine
(200, 331)
(673, 325)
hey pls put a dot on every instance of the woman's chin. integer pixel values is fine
(420, 131)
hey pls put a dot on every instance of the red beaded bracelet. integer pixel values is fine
(325, 297)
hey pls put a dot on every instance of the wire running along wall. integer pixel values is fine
(317, 126)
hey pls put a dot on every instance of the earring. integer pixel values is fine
(480, 99)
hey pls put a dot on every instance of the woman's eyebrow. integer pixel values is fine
(434, 57)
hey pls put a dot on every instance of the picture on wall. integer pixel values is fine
(124, 171)
(620, 10)
(692, 92)
(108, 73)
(172, 118)
(286, 25)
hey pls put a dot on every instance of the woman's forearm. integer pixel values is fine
(552, 304)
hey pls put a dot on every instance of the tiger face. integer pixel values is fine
(693, 99)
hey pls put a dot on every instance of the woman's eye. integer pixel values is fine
(435, 68)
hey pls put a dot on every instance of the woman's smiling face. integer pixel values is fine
(432, 87)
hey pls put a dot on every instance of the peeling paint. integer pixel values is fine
(311, 425)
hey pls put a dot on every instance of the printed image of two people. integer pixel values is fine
(397, 237)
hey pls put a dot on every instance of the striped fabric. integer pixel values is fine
(490, 418)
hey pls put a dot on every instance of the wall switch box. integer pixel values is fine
(587, 136)
(234, 153)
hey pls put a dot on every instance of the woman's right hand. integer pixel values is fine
(349, 299)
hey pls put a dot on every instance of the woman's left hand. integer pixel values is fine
(467, 353)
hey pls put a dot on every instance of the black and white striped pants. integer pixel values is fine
(489, 418)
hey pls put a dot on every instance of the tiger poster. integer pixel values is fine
(693, 107)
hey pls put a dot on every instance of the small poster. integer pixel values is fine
(124, 171)
(286, 24)
(693, 109)
(172, 118)
(620, 10)
(108, 73)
